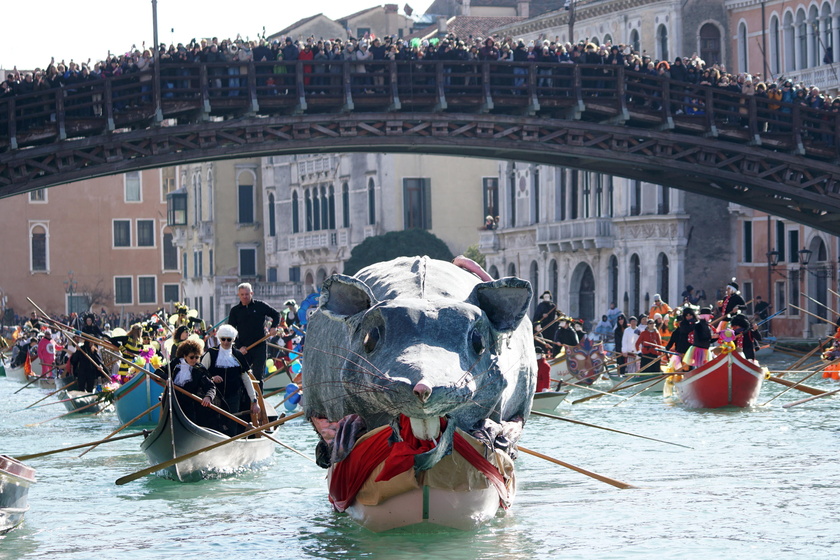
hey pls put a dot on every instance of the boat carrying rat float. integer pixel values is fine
(419, 378)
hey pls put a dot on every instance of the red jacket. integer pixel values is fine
(646, 338)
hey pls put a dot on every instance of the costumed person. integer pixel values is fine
(618, 335)
(701, 340)
(46, 353)
(544, 319)
(87, 366)
(628, 346)
(191, 376)
(681, 338)
(659, 306)
(577, 325)
(612, 314)
(604, 329)
(170, 347)
(248, 318)
(543, 372)
(181, 317)
(730, 304)
(90, 327)
(565, 333)
(130, 349)
(228, 370)
(648, 343)
(747, 334)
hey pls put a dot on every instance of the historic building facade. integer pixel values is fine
(92, 245)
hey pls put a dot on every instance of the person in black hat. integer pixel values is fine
(747, 334)
(732, 302)
(544, 316)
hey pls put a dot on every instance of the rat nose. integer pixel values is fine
(422, 391)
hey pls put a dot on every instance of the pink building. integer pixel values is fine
(96, 244)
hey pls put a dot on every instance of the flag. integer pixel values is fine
(408, 10)
(27, 365)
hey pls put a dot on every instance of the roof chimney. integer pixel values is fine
(391, 8)
(442, 25)
(523, 8)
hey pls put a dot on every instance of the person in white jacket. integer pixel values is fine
(628, 346)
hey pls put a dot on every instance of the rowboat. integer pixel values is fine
(15, 480)
(728, 380)
(81, 401)
(654, 389)
(547, 401)
(177, 435)
(19, 373)
(136, 395)
(462, 491)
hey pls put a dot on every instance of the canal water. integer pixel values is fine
(759, 483)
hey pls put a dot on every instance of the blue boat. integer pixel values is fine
(138, 394)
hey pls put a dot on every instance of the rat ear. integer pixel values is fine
(505, 302)
(344, 296)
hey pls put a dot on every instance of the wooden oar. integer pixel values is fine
(72, 447)
(653, 382)
(596, 476)
(821, 304)
(58, 402)
(97, 401)
(813, 351)
(616, 388)
(176, 460)
(51, 394)
(798, 384)
(121, 428)
(600, 393)
(605, 428)
(794, 403)
(812, 315)
(73, 332)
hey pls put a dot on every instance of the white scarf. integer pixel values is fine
(226, 359)
(184, 374)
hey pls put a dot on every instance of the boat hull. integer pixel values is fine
(176, 435)
(547, 401)
(140, 393)
(15, 480)
(19, 374)
(81, 401)
(728, 380)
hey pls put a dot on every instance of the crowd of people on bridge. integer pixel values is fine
(229, 61)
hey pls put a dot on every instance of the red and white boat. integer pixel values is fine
(15, 480)
(728, 380)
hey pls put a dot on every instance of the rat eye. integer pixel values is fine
(371, 338)
(477, 342)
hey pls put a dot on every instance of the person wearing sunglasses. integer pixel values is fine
(228, 370)
(191, 376)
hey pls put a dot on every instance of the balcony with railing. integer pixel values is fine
(267, 290)
(488, 241)
(574, 235)
(319, 241)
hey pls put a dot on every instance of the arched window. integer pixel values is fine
(325, 209)
(775, 54)
(827, 35)
(535, 196)
(635, 284)
(743, 48)
(635, 43)
(802, 40)
(197, 198)
(789, 43)
(595, 41)
(511, 269)
(272, 229)
(553, 278)
(210, 194)
(493, 272)
(295, 213)
(607, 39)
(710, 44)
(345, 206)
(321, 276)
(331, 205)
(512, 199)
(38, 249)
(662, 42)
(663, 276)
(612, 284)
(371, 192)
(316, 210)
(308, 210)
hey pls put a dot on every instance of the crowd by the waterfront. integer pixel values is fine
(230, 59)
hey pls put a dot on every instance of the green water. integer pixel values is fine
(758, 483)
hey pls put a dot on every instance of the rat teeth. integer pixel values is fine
(425, 428)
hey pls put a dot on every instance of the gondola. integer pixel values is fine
(728, 380)
(177, 435)
(19, 373)
(137, 395)
(15, 480)
(81, 401)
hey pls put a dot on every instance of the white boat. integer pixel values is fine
(15, 480)
(177, 435)
(547, 401)
(19, 373)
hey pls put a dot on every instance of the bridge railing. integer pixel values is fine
(191, 92)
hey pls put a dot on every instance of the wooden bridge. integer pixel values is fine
(776, 157)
